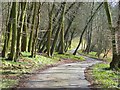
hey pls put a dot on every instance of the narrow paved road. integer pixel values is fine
(63, 76)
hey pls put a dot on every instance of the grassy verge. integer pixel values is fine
(10, 71)
(69, 56)
(93, 55)
(101, 76)
(105, 78)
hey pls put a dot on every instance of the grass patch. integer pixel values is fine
(8, 83)
(90, 54)
(105, 78)
(93, 55)
(69, 56)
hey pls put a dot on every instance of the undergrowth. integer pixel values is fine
(104, 77)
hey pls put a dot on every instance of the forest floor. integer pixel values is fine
(69, 75)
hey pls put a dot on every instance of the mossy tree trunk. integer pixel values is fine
(24, 36)
(58, 30)
(37, 12)
(32, 27)
(14, 31)
(114, 62)
(43, 41)
(49, 33)
(62, 30)
(70, 21)
(7, 35)
(19, 31)
(56, 25)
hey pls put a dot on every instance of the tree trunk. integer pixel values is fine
(14, 31)
(46, 33)
(58, 30)
(32, 29)
(81, 36)
(62, 31)
(55, 25)
(70, 21)
(33, 52)
(114, 62)
(24, 36)
(19, 32)
(7, 35)
(89, 33)
(50, 28)
(118, 34)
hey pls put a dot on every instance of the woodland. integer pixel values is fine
(39, 35)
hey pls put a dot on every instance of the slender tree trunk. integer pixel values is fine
(50, 28)
(62, 31)
(19, 32)
(32, 27)
(68, 45)
(46, 33)
(14, 31)
(43, 41)
(59, 29)
(24, 36)
(54, 41)
(55, 26)
(7, 34)
(70, 21)
(33, 52)
(90, 33)
(57, 14)
(87, 50)
(81, 36)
